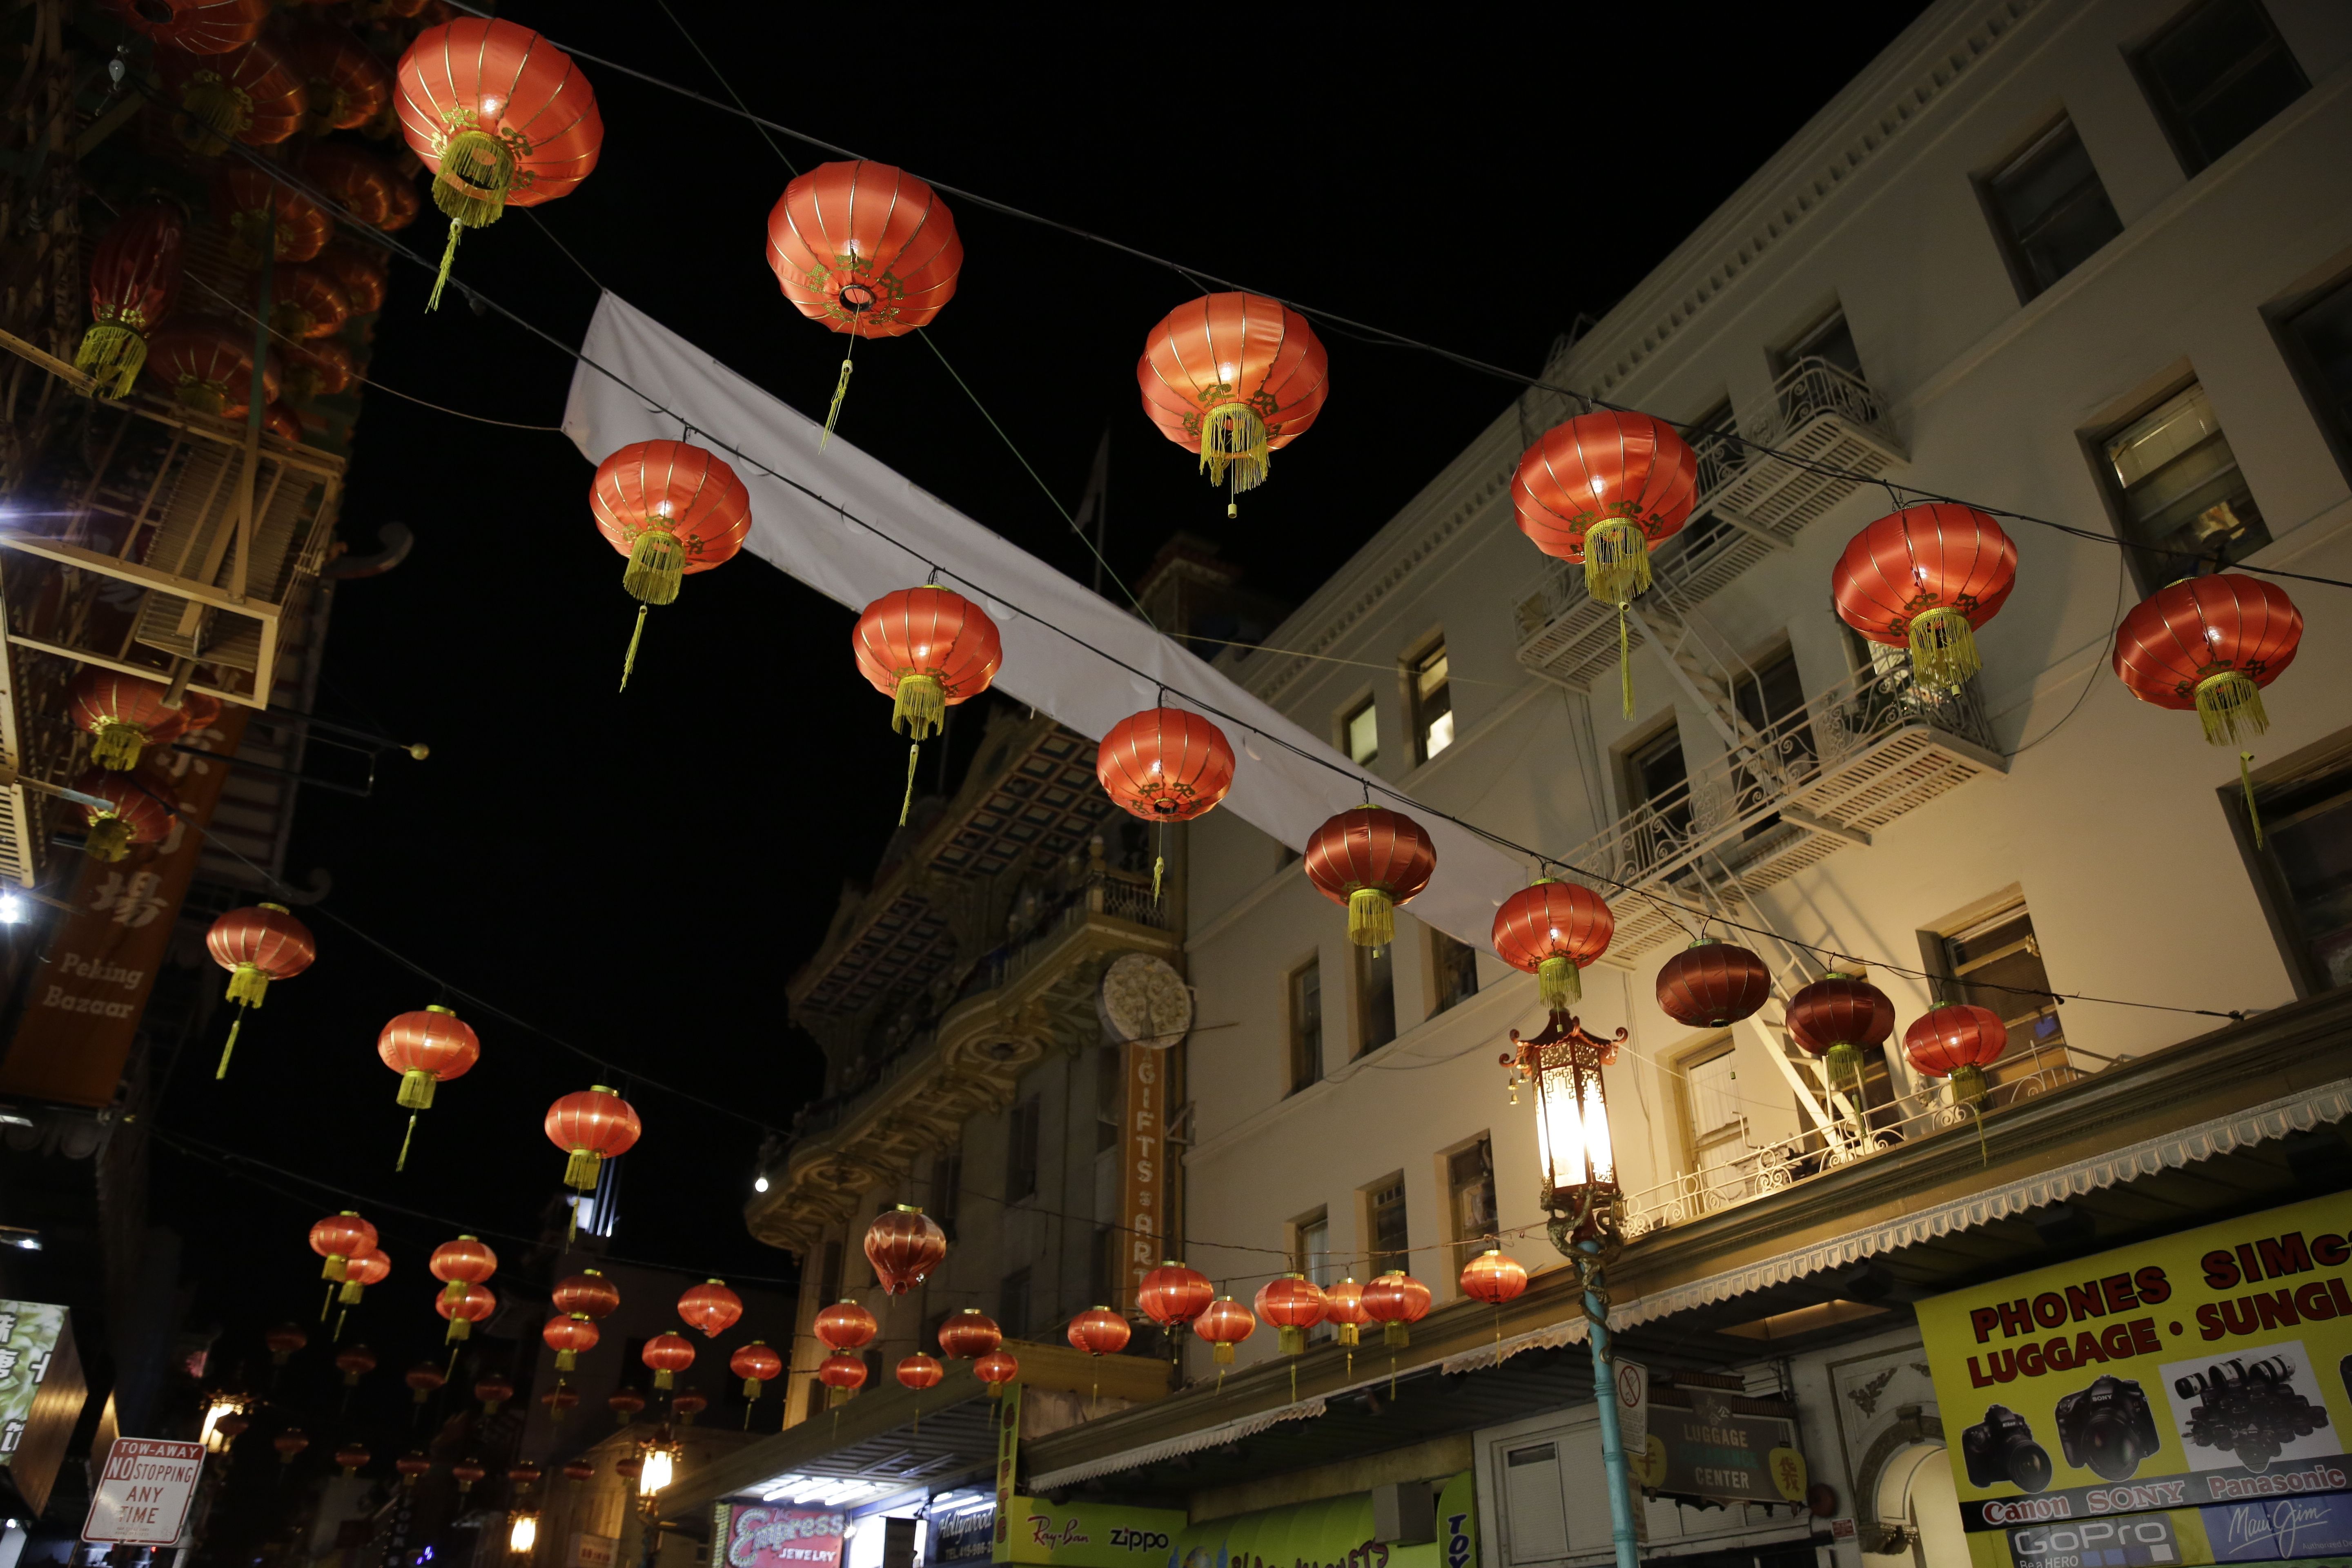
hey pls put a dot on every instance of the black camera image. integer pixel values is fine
(2252, 1411)
(2000, 1448)
(2107, 1427)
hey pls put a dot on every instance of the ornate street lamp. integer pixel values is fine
(1581, 1195)
(523, 1534)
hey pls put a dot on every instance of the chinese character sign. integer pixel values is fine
(41, 1394)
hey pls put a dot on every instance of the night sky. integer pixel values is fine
(640, 873)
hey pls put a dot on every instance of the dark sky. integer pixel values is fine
(640, 873)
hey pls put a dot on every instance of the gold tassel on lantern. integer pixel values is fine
(1845, 1073)
(1371, 918)
(116, 745)
(1291, 1341)
(1559, 983)
(213, 112)
(662, 1378)
(247, 984)
(1968, 1083)
(477, 171)
(2230, 705)
(113, 353)
(918, 712)
(1233, 441)
(109, 838)
(1616, 560)
(459, 1329)
(656, 566)
(350, 1294)
(580, 1170)
(1943, 649)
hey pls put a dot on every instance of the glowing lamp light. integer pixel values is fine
(657, 1472)
(523, 1534)
(759, 1184)
(1572, 1144)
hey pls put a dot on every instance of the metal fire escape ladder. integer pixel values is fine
(1830, 1112)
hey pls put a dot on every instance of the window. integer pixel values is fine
(2216, 74)
(1020, 1152)
(1773, 706)
(1432, 704)
(1103, 1284)
(1305, 1024)
(1715, 1123)
(828, 1279)
(1360, 733)
(1470, 1190)
(1995, 962)
(2177, 486)
(1376, 1011)
(2305, 867)
(1310, 1252)
(2318, 339)
(1656, 778)
(2050, 209)
(1013, 1304)
(1829, 340)
(1454, 967)
(947, 1189)
(1384, 1223)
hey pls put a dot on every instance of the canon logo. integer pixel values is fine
(2028, 1510)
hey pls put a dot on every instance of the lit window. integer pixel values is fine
(1432, 704)
(2051, 209)
(2180, 493)
(2217, 74)
(1362, 731)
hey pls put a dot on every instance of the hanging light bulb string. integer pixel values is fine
(1675, 910)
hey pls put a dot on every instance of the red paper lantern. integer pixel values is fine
(1958, 1041)
(580, 1470)
(257, 946)
(568, 1334)
(846, 1326)
(1224, 1324)
(1712, 984)
(425, 1378)
(560, 1401)
(206, 365)
(1172, 1294)
(1293, 1304)
(305, 301)
(755, 1363)
(315, 370)
(1927, 577)
(667, 1354)
(195, 26)
(673, 510)
(493, 1389)
(466, 1261)
(411, 1465)
(1370, 859)
(524, 1473)
(355, 1361)
(280, 421)
(919, 1372)
(624, 1405)
(1164, 765)
(927, 650)
(1395, 1300)
(134, 279)
(969, 1334)
(710, 1307)
(904, 1246)
(686, 1404)
(865, 249)
(251, 95)
(426, 1048)
(1098, 1331)
(1551, 931)
(1494, 1278)
(122, 714)
(267, 219)
(996, 1369)
(360, 271)
(232, 1425)
(344, 85)
(338, 1238)
(464, 1311)
(1231, 377)
(630, 1470)
(591, 1126)
(359, 1271)
(139, 810)
(283, 1342)
(363, 185)
(1839, 1016)
(465, 1472)
(501, 116)
(1343, 1306)
(289, 1445)
(352, 1458)
(842, 1375)
(588, 1294)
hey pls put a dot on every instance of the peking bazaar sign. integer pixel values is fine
(2185, 1401)
(755, 1535)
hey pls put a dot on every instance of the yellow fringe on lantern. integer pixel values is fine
(477, 171)
(1224, 1353)
(331, 1269)
(2230, 704)
(1234, 437)
(1943, 649)
(656, 566)
(459, 1329)
(109, 838)
(416, 1089)
(113, 353)
(1845, 1073)
(580, 1171)
(405, 1139)
(1616, 560)
(350, 1294)
(1371, 918)
(921, 707)
(1290, 1341)
(662, 1378)
(222, 1071)
(2246, 783)
(1624, 662)
(212, 113)
(907, 801)
(1393, 1335)
(566, 1361)
(453, 1291)
(1968, 1083)
(636, 635)
(1348, 1334)
(833, 409)
(1559, 983)
(204, 396)
(247, 985)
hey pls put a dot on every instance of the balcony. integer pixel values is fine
(1852, 759)
(1750, 504)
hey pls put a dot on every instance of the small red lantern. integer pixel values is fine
(352, 1458)
(465, 1472)
(842, 1375)
(251, 95)
(1957, 1041)
(524, 1473)
(927, 650)
(1224, 1324)
(363, 184)
(257, 946)
(361, 1270)
(1372, 859)
(501, 117)
(463, 1313)
(667, 1354)
(305, 301)
(283, 1342)
(134, 277)
(846, 1326)
(1293, 1304)
(588, 1294)
(630, 1470)
(560, 1402)
(493, 1389)
(1164, 765)
(425, 1048)
(625, 1404)
(1098, 1331)
(457, 1264)
(1839, 1016)
(1925, 578)
(1494, 1278)
(904, 1246)
(969, 1334)
(289, 1445)
(338, 1238)
(996, 1369)
(1234, 376)
(580, 1470)
(591, 1126)
(710, 1307)
(919, 1372)
(1551, 931)
(345, 84)
(1395, 1300)
(1343, 1308)
(269, 220)
(208, 365)
(756, 1365)
(122, 714)
(318, 369)
(568, 1334)
(1712, 984)
(195, 26)
(355, 1361)
(686, 1404)
(411, 1465)
(139, 810)
(1172, 1294)
(232, 1425)
(673, 510)
(426, 1379)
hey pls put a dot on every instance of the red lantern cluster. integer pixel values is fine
(338, 1238)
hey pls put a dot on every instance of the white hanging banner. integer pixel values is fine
(1279, 791)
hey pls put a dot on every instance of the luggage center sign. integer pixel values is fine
(2184, 1401)
(142, 1497)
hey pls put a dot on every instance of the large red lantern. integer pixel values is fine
(568, 1334)
(206, 365)
(1172, 1294)
(468, 1260)
(580, 1470)
(927, 650)
(284, 1340)
(251, 95)
(1712, 984)
(1370, 859)
(1494, 1277)
(1164, 765)
(673, 510)
(755, 1363)
(1232, 377)
(195, 26)
(426, 1048)
(1602, 488)
(843, 1373)
(1396, 1300)
(501, 117)
(2213, 644)
(919, 1372)
(138, 810)
(1552, 929)
(268, 220)
(686, 1404)
(969, 1334)
(477, 1304)
(1293, 1304)
(361, 1270)
(338, 1238)
(1098, 1331)
(134, 277)
(710, 1307)
(865, 248)
(588, 1294)
(1838, 1017)
(1957, 1041)
(667, 1354)
(904, 1246)
(345, 84)
(996, 1369)
(1224, 1324)
(846, 1326)
(257, 946)
(1927, 577)
(591, 1126)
